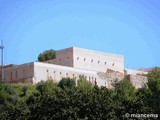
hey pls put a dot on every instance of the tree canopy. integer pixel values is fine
(81, 101)
(47, 55)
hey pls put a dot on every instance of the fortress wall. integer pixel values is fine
(97, 61)
(134, 72)
(44, 71)
(19, 73)
(63, 57)
(137, 80)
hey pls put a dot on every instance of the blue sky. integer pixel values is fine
(127, 27)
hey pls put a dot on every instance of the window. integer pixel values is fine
(92, 60)
(73, 75)
(66, 74)
(68, 57)
(113, 64)
(77, 58)
(98, 61)
(54, 71)
(105, 63)
(59, 59)
(84, 59)
(60, 73)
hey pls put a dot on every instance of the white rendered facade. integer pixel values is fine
(98, 67)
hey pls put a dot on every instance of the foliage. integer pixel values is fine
(154, 87)
(67, 83)
(82, 83)
(48, 100)
(47, 55)
(124, 89)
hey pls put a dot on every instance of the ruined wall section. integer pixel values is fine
(110, 76)
(137, 80)
(97, 61)
(19, 73)
(134, 72)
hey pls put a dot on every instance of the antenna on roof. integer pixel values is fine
(2, 47)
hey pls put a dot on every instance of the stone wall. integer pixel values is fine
(134, 72)
(110, 76)
(64, 57)
(98, 61)
(19, 73)
(137, 80)
(88, 59)
(44, 71)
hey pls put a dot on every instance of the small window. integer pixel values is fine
(92, 60)
(60, 73)
(54, 71)
(113, 64)
(68, 57)
(105, 63)
(84, 59)
(47, 70)
(73, 75)
(98, 61)
(59, 59)
(66, 73)
(77, 58)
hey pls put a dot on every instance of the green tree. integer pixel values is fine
(154, 87)
(67, 83)
(47, 55)
(84, 84)
(124, 89)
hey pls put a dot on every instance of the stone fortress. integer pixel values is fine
(102, 68)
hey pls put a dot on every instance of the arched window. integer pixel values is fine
(98, 61)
